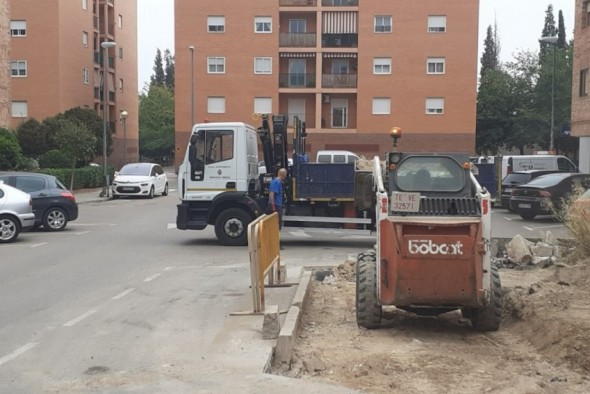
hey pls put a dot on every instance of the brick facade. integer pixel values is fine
(4, 64)
(581, 102)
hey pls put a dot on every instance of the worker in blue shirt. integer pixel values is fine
(275, 195)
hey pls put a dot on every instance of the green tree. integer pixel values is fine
(159, 78)
(32, 138)
(490, 59)
(561, 39)
(10, 152)
(169, 70)
(93, 123)
(493, 111)
(549, 29)
(156, 122)
(74, 140)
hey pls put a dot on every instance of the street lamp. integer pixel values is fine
(123, 116)
(105, 45)
(192, 49)
(551, 41)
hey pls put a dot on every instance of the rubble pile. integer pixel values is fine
(521, 253)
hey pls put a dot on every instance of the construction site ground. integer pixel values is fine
(543, 345)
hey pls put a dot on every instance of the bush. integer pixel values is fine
(10, 151)
(55, 159)
(84, 178)
(577, 220)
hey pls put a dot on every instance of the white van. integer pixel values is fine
(536, 162)
(336, 156)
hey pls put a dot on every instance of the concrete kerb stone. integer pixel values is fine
(302, 290)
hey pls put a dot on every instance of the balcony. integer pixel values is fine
(339, 80)
(95, 18)
(303, 40)
(297, 3)
(340, 3)
(296, 80)
(340, 40)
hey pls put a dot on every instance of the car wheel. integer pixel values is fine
(9, 228)
(151, 195)
(165, 192)
(527, 215)
(55, 219)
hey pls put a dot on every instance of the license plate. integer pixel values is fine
(405, 202)
(127, 189)
(524, 206)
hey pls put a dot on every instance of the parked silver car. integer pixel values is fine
(16, 213)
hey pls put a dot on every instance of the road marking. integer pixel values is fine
(17, 352)
(77, 320)
(300, 234)
(171, 226)
(82, 233)
(122, 294)
(92, 224)
(168, 269)
(150, 278)
(507, 218)
(37, 245)
(171, 190)
(541, 227)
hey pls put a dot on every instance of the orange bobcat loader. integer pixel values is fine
(433, 242)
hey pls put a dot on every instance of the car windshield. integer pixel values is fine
(546, 180)
(516, 179)
(136, 169)
(430, 173)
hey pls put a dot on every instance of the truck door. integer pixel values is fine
(220, 167)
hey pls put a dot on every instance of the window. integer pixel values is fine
(29, 184)
(216, 24)
(263, 24)
(383, 24)
(120, 53)
(583, 82)
(18, 28)
(437, 23)
(381, 106)
(430, 173)
(121, 85)
(340, 66)
(339, 113)
(262, 65)
(85, 76)
(435, 105)
(435, 65)
(120, 21)
(216, 105)
(382, 65)
(85, 39)
(84, 5)
(262, 105)
(586, 14)
(297, 26)
(18, 68)
(19, 109)
(219, 146)
(216, 65)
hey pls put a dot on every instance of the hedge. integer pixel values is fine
(84, 178)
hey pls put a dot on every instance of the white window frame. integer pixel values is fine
(85, 76)
(381, 106)
(436, 62)
(216, 105)
(380, 24)
(120, 21)
(437, 23)
(263, 65)
(339, 113)
(18, 66)
(216, 62)
(121, 85)
(216, 24)
(120, 53)
(435, 106)
(19, 109)
(84, 5)
(263, 24)
(381, 65)
(85, 39)
(263, 105)
(18, 28)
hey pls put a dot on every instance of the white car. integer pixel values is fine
(16, 213)
(140, 179)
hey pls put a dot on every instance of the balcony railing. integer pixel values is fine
(339, 80)
(340, 40)
(297, 3)
(296, 80)
(297, 40)
(340, 3)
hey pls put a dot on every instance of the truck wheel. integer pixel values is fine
(368, 309)
(231, 227)
(489, 317)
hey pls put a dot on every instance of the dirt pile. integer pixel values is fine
(542, 345)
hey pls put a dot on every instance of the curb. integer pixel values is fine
(286, 339)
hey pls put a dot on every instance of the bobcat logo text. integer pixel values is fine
(424, 247)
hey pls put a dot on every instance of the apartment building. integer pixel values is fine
(4, 64)
(56, 63)
(580, 83)
(352, 69)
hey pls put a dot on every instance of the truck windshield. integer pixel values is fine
(430, 174)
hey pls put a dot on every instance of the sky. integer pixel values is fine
(519, 22)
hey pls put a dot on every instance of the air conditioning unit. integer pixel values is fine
(325, 98)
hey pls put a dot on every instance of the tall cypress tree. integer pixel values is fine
(490, 59)
(158, 79)
(549, 29)
(561, 39)
(169, 69)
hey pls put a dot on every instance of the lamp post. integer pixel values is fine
(551, 41)
(123, 116)
(192, 49)
(105, 45)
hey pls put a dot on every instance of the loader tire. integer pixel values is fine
(368, 309)
(489, 317)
